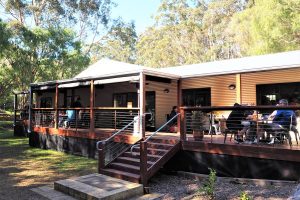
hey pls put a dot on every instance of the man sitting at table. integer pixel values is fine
(281, 120)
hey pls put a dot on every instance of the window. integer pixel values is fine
(125, 99)
(46, 102)
(196, 97)
(270, 94)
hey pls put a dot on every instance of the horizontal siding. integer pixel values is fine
(164, 101)
(220, 94)
(250, 80)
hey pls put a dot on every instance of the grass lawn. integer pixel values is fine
(23, 167)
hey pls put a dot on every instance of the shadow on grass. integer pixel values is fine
(23, 167)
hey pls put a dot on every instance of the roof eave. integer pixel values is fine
(242, 71)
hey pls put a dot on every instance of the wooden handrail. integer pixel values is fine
(115, 108)
(88, 108)
(212, 108)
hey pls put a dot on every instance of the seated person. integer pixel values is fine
(281, 120)
(234, 122)
(71, 117)
(61, 118)
(173, 123)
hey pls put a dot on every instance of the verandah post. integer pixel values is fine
(179, 93)
(56, 107)
(142, 103)
(92, 105)
(15, 109)
(182, 125)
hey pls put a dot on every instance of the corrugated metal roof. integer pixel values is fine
(106, 67)
(283, 60)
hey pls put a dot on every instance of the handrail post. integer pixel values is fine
(143, 165)
(182, 125)
(101, 156)
(115, 119)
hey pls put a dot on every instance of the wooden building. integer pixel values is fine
(114, 94)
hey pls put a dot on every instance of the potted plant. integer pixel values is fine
(200, 123)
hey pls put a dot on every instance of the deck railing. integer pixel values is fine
(246, 124)
(115, 118)
(104, 117)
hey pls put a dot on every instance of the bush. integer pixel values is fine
(209, 186)
(244, 196)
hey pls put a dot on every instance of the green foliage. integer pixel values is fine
(188, 32)
(209, 185)
(118, 44)
(244, 196)
(268, 26)
(37, 54)
(86, 16)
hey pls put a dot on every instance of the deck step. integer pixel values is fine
(164, 141)
(124, 167)
(152, 151)
(121, 175)
(98, 186)
(132, 161)
(159, 145)
(152, 157)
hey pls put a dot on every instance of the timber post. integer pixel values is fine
(143, 166)
(92, 105)
(182, 125)
(179, 93)
(56, 107)
(101, 156)
(142, 104)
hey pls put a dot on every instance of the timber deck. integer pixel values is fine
(211, 144)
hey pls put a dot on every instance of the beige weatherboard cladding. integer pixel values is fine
(220, 94)
(250, 80)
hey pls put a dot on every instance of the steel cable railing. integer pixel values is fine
(155, 155)
(111, 148)
(248, 124)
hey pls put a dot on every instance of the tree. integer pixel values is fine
(85, 16)
(188, 32)
(176, 38)
(38, 54)
(118, 44)
(268, 26)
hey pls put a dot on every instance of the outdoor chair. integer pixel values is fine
(234, 133)
(233, 127)
(214, 127)
(294, 129)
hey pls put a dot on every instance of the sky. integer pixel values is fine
(140, 11)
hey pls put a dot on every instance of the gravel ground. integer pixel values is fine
(177, 187)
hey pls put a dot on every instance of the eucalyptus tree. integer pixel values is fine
(45, 39)
(118, 44)
(188, 32)
(268, 26)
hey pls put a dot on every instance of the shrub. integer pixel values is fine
(244, 196)
(209, 186)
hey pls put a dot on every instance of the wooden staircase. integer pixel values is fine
(144, 160)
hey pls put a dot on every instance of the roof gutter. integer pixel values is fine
(243, 71)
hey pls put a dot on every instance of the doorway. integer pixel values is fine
(150, 108)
